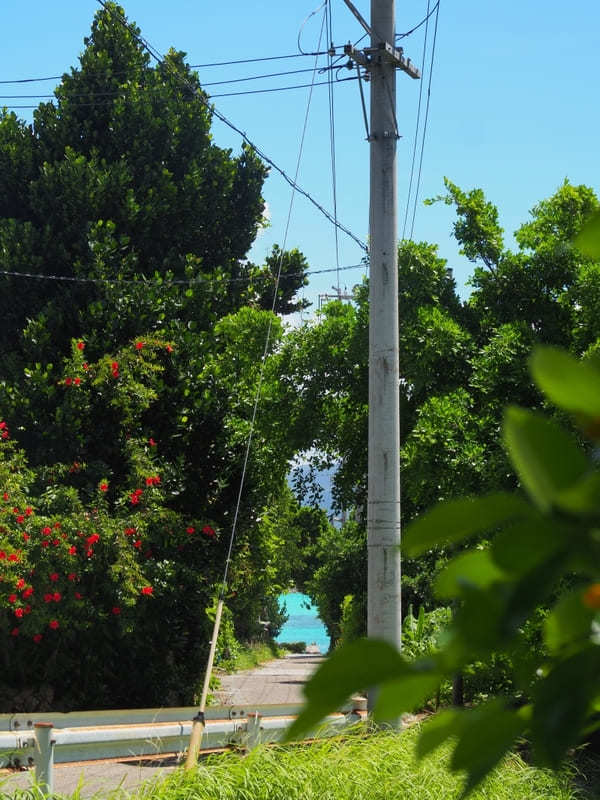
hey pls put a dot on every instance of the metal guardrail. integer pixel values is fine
(41, 740)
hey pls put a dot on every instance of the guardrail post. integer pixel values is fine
(44, 757)
(253, 730)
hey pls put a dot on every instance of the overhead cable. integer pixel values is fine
(208, 282)
(417, 124)
(426, 117)
(121, 95)
(423, 21)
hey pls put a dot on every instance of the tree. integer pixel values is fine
(459, 361)
(145, 367)
(117, 179)
(545, 550)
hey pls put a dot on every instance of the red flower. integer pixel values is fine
(12, 598)
(190, 529)
(104, 487)
(26, 537)
(2, 555)
(68, 381)
(14, 632)
(2, 426)
(208, 531)
(5, 435)
(129, 531)
(55, 542)
(139, 345)
(169, 348)
(71, 576)
(46, 531)
(38, 638)
(28, 511)
(20, 519)
(54, 624)
(45, 544)
(78, 596)
(5, 496)
(116, 610)
(93, 539)
(48, 598)
(27, 609)
(72, 550)
(114, 365)
(54, 576)
(57, 597)
(80, 345)
(27, 593)
(85, 365)
(137, 543)
(13, 557)
(56, 525)
(20, 583)
(19, 612)
(147, 590)
(151, 442)
(77, 381)
(89, 552)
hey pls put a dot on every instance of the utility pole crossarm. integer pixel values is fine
(394, 55)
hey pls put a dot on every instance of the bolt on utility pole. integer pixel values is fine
(382, 60)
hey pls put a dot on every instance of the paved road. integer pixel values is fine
(275, 682)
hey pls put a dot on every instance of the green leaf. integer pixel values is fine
(562, 701)
(353, 667)
(405, 694)
(588, 238)
(486, 734)
(546, 459)
(456, 520)
(571, 384)
(437, 730)
(523, 546)
(583, 497)
(569, 622)
(474, 568)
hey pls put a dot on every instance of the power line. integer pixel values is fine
(437, 13)
(292, 182)
(192, 66)
(121, 95)
(332, 133)
(423, 21)
(417, 124)
(208, 282)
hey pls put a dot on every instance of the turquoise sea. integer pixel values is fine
(303, 624)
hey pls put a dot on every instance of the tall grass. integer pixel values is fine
(379, 766)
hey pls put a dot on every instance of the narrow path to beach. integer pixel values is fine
(275, 683)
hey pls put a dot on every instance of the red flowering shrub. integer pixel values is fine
(112, 545)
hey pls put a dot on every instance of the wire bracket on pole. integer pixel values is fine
(384, 50)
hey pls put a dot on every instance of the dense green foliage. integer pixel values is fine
(129, 396)
(545, 550)
(459, 360)
(377, 766)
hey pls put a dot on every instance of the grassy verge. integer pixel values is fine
(376, 767)
(251, 655)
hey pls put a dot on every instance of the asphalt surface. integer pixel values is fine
(275, 682)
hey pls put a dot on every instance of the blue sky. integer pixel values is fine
(514, 103)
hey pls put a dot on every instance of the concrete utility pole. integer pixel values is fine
(382, 60)
(383, 514)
